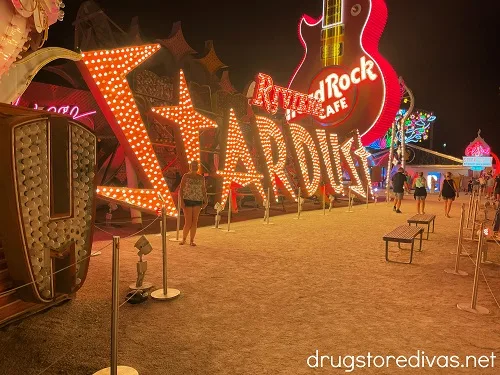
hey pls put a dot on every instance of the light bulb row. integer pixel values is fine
(301, 138)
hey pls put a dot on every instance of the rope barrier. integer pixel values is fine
(95, 253)
(487, 284)
(131, 235)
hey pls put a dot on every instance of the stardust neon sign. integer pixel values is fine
(239, 167)
(72, 111)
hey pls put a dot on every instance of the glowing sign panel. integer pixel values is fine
(478, 161)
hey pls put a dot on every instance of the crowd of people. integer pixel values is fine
(448, 192)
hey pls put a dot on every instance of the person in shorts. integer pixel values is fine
(420, 186)
(449, 192)
(399, 185)
(193, 199)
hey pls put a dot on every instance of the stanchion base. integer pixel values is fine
(266, 223)
(122, 370)
(350, 212)
(229, 231)
(480, 310)
(215, 228)
(171, 293)
(175, 239)
(458, 273)
(144, 286)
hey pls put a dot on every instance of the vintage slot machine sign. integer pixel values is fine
(47, 164)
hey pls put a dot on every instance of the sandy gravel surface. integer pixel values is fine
(263, 299)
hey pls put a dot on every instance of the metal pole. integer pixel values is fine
(115, 306)
(324, 199)
(177, 236)
(230, 209)
(367, 194)
(164, 293)
(473, 306)
(456, 270)
(178, 216)
(164, 247)
(268, 208)
(389, 163)
(469, 211)
(474, 216)
(298, 204)
(115, 303)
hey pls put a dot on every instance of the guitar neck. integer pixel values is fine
(332, 33)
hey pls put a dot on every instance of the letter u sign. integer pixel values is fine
(47, 195)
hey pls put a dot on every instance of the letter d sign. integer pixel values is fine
(47, 164)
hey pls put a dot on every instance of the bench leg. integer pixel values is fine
(421, 235)
(433, 222)
(411, 253)
(387, 251)
(428, 229)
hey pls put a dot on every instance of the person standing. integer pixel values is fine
(399, 185)
(490, 184)
(420, 186)
(193, 199)
(448, 191)
(496, 188)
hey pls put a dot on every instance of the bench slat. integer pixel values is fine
(422, 219)
(403, 234)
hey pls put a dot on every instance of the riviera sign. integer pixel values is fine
(269, 96)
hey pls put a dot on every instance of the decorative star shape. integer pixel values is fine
(189, 121)
(346, 150)
(105, 73)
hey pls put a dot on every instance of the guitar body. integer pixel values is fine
(372, 103)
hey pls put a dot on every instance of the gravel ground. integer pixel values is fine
(263, 299)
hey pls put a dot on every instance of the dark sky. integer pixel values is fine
(444, 49)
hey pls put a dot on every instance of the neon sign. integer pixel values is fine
(111, 90)
(337, 90)
(72, 111)
(269, 96)
(342, 66)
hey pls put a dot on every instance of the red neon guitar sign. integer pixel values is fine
(343, 68)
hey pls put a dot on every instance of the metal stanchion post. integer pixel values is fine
(473, 307)
(469, 211)
(299, 199)
(177, 238)
(230, 197)
(367, 194)
(474, 217)
(324, 199)
(350, 199)
(115, 306)
(165, 293)
(456, 270)
(268, 208)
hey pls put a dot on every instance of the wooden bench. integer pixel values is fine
(423, 219)
(403, 234)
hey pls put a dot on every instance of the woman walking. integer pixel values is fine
(194, 198)
(448, 191)
(420, 186)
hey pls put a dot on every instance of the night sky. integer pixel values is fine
(444, 49)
